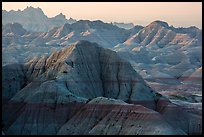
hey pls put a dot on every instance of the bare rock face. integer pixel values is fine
(106, 35)
(27, 16)
(14, 28)
(180, 117)
(78, 73)
(195, 77)
(58, 87)
(105, 116)
(13, 80)
(159, 34)
(85, 71)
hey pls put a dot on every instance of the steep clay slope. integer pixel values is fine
(80, 72)
(159, 34)
(59, 85)
(105, 34)
(87, 71)
(105, 116)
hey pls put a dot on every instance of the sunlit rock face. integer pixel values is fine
(164, 54)
(86, 89)
(53, 83)
(20, 44)
(159, 34)
(105, 34)
(87, 71)
(78, 73)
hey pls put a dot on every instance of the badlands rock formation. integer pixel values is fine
(159, 34)
(124, 25)
(86, 89)
(34, 19)
(160, 51)
(105, 34)
(87, 71)
(18, 43)
(115, 117)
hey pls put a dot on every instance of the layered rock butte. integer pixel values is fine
(86, 89)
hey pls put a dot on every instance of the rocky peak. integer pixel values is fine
(97, 24)
(32, 9)
(71, 20)
(60, 17)
(95, 72)
(81, 86)
(159, 23)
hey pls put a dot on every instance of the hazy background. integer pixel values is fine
(178, 14)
